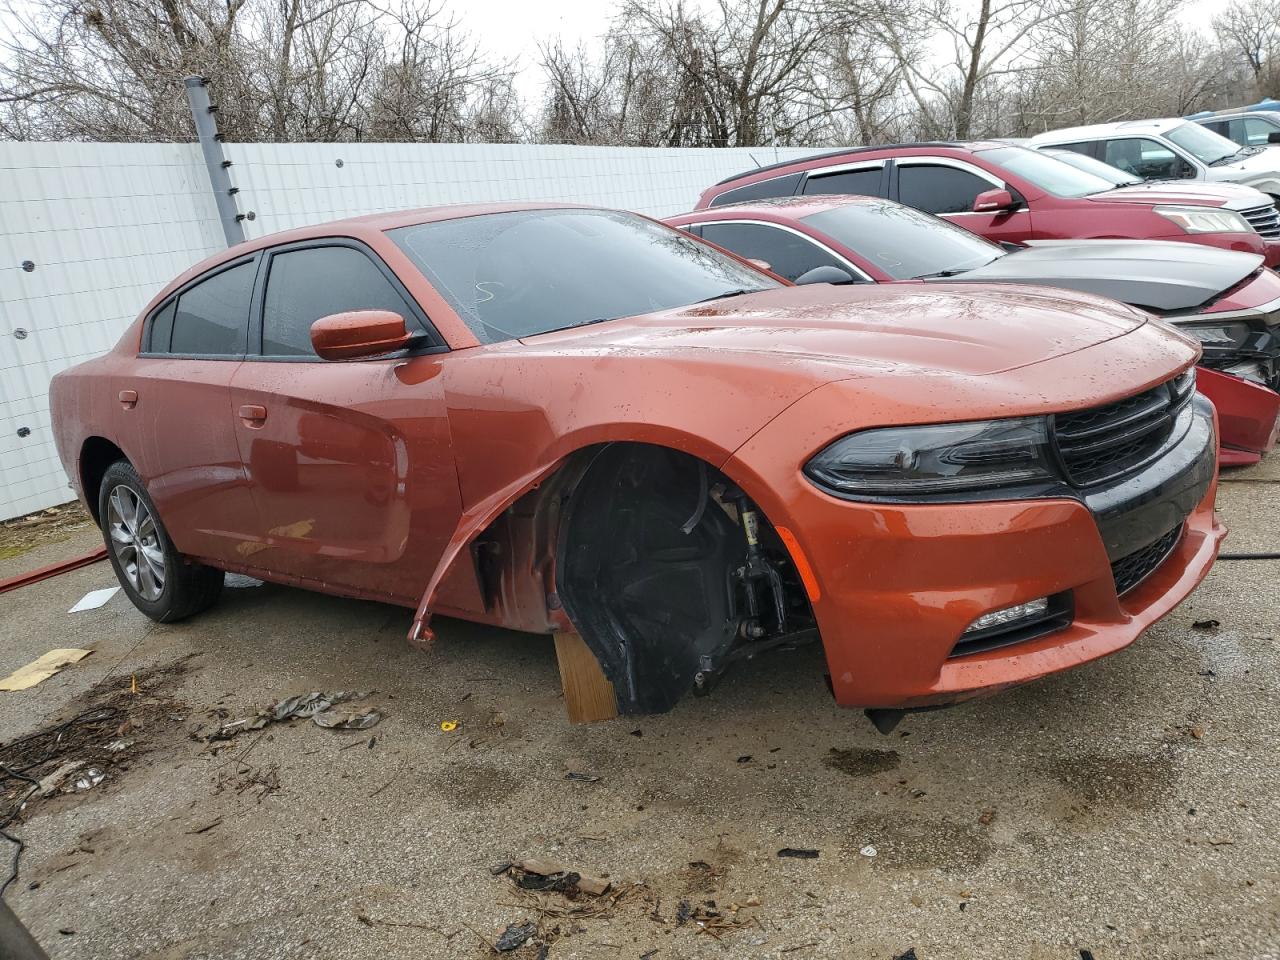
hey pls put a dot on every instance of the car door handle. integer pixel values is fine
(128, 399)
(253, 414)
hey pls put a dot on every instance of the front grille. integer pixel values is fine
(1266, 220)
(1132, 570)
(1103, 443)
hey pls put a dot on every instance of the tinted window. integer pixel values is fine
(162, 328)
(212, 315)
(936, 189)
(1144, 158)
(903, 242)
(305, 285)
(511, 275)
(861, 182)
(777, 187)
(1086, 149)
(1220, 128)
(1045, 171)
(788, 255)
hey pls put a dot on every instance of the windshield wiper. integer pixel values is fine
(1239, 154)
(726, 295)
(941, 274)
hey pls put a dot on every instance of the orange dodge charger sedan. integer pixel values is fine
(558, 417)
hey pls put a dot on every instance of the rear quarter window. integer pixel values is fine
(212, 316)
(777, 187)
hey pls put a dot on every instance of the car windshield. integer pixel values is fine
(512, 275)
(1089, 165)
(1046, 172)
(904, 242)
(1205, 145)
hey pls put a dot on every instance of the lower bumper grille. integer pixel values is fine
(1131, 570)
(1265, 220)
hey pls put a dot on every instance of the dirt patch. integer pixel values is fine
(1100, 785)
(861, 762)
(37, 529)
(113, 724)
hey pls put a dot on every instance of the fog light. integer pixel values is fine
(1031, 610)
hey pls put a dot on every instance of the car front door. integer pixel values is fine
(947, 188)
(177, 397)
(350, 462)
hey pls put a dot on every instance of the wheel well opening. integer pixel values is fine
(671, 574)
(96, 455)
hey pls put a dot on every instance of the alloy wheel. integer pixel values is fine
(135, 541)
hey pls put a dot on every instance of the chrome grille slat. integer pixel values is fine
(1265, 220)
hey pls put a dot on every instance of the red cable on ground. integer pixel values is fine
(44, 573)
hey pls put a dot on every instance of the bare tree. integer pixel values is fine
(1250, 31)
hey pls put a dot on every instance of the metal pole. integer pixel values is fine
(211, 143)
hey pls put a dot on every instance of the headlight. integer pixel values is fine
(1219, 340)
(1206, 219)
(934, 459)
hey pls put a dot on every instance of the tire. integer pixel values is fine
(160, 581)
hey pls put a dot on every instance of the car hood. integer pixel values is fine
(1234, 196)
(839, 332)
(1154, 275)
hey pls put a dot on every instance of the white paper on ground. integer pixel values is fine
(94, 599)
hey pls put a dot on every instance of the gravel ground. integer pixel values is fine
(1126, 809)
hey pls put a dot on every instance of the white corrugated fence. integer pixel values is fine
(89, 232)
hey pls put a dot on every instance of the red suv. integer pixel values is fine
(1009, 193)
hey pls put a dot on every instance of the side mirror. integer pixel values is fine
(1273, 136)
(762, 264)
(824, 274)
(993, 201)
(359, 333)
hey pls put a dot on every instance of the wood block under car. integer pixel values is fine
(588, 694)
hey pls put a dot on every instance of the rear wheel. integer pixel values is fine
(161, 582)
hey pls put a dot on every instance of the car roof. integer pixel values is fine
(356, 227)
(790, 208)
(1097, 130)
(968, 146)
(1234, 114)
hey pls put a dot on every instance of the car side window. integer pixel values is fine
(212, 317)
(1145, 158)
(787, 254)
(1222, 128)
(162, 328)
(313, 282)
(865, 182)
(775, 187)
(1250, 131)
(1085, 148)
(937, 189)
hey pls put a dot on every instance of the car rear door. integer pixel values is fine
(177, 412)
(350, 463)
(947, 187)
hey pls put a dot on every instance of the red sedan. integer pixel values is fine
(1227, 300)
(555, 418)
(1006, 192)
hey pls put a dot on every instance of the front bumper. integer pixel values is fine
(899, 584)
(1248, 416)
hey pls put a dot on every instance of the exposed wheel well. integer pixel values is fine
(96, 455)
(657, 571)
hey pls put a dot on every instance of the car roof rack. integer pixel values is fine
(847, 151)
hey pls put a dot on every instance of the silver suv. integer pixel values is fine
(1170, 150)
